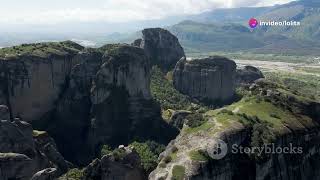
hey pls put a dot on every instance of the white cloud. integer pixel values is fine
(116, 10)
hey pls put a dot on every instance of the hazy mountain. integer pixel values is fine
(211, 37)
(217, 30)
(227, 30)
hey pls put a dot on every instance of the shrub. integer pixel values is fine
(148, 152)
(174, 149)
(195, 120)
(274, 115)
(226, 111)
(155, 147)
(259, 99)
(167, 159)
(198, 155)
(105, 150)
(178, 172)
(262, 135)
(119, 154)
(72, 174)
(164, 92)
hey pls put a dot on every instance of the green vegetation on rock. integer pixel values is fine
(148, 152)
(72, 174)
(178, 172)
(164, 92)
(42, 49)
(195, 120)
(262, 135)
(105, 150)
(198, 155)
(306, 84)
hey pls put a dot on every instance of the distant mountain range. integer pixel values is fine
(227, 30)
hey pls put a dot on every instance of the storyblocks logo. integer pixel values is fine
(220, 149)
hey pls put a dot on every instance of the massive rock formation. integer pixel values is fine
(24, 152)
(122, 104)
(209, 80)
(83, 97)
(125, 165)
(162, 47)
(246, 75)
(32, 81)
(69, 121)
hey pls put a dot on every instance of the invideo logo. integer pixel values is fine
(253, 23)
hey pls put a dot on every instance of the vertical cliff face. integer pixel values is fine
(122, 104)
(33, 80)
(209, 80)
(162, 47)
(69, 121)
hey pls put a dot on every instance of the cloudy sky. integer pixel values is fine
(61, 11)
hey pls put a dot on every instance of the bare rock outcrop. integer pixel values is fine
(46, 174)
(125, 165)
(162, 47)
(122, 103)
(40, 72)
(24, 152)
(177, 118)
(210, 80)
(246, 75)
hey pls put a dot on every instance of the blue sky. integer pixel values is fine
(62, 11)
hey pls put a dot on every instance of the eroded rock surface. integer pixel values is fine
(247, 75)
(122, 103)
(162, 47)
(208, 80)
(123, 166)
(46, 174)
(33, 81)
(24, 152)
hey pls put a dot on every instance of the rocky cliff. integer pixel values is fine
(162, 47)
(83, 97)
(123, 164)
(208, 80)
(32, 76)
(24, 152)
(122, 104)
(283, 122)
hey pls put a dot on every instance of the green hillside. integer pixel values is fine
(209, 32)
